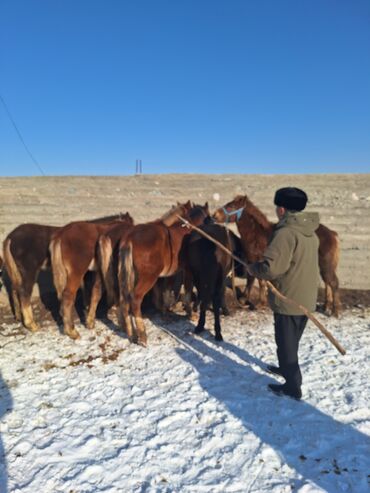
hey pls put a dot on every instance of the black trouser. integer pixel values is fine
(288, 332)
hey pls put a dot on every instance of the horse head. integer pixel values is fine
(199, 214)
(232, 211)
(126, 218)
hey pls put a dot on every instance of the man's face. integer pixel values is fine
(280, 212)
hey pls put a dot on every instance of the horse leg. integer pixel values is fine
(188, 287)
(67, 304)
(96, 294)
(222, 298)
(158, 296)
(140, 327)
(124, 318)
(336, 301)
(332, 300)
(247, 291)
(202, 317)
(328, 303)
(16, 304)
(218, 296)
(263, 292)
(142, 287)
(25, 293)
(168, 298)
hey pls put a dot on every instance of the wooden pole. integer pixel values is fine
(303, 309)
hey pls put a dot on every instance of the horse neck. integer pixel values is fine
(254, 215)
(170, 220)
(107, 226)
(170, 217)
(177, 233)
(255, 232)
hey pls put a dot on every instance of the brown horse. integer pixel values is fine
(150, 251)
(108, 246)
(26, 252)
(256, 230)
(73, 253)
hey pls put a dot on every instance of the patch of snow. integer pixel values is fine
(186, 414)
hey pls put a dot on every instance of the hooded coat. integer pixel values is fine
(291, 262)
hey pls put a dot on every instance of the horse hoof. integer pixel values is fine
(73, 334)
(142, 342)
(33, 328)
(219, 338)
(90, 324)
(198, 330)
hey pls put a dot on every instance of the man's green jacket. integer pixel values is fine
(291, 262)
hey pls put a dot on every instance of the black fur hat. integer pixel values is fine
(293, 199)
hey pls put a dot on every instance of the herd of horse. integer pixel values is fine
(130, 260)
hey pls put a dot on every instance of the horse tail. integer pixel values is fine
(11, 266)
(126, 272)
(105, 259)
(58, 267)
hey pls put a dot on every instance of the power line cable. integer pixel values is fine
(20, 136)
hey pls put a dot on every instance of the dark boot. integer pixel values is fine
(284, 390)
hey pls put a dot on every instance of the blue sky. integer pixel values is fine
(208, 86)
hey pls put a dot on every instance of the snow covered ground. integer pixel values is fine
(185, 414)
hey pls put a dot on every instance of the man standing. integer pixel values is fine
(291, 263)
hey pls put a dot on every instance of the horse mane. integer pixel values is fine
(170, 217)
(114, 217)
(256, 213)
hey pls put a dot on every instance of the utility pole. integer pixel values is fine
(138, 167)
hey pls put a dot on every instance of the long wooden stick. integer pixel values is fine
(302, 308)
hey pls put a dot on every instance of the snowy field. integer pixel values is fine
(185, 414)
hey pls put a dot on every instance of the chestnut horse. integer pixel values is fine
(256, 230)
(150, 251)
(26, 252)
(73, 253)
(108, 251)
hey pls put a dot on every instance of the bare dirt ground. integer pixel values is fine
(343, 202)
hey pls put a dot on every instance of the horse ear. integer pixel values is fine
(206, 206)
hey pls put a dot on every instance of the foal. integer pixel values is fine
(208, 265)
(256, 230)
(150, 251)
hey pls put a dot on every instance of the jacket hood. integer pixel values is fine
(304, 222)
